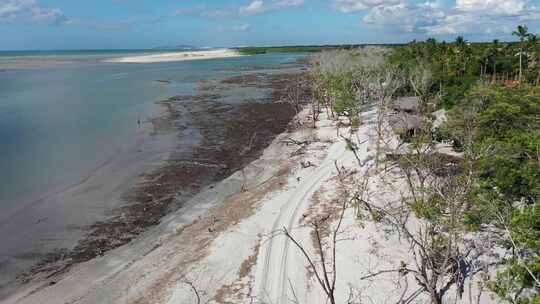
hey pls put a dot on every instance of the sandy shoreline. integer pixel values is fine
(225, 242)
(177, 56)
(119, 177)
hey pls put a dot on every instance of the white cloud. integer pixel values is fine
(480, 17)
(255, 7)
(259, 6)
(407, 17)
(486, 17)
(234, 12)
(29, 11)
(492, 7)
(349, 6)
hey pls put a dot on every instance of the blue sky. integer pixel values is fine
(78, 24)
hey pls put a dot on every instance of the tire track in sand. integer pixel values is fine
(272, 283)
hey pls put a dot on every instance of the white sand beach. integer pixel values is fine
(225, 245)
(177, 56)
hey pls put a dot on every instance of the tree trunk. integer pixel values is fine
(495, 71)
(520, 64)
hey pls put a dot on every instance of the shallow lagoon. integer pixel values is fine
(58, 124)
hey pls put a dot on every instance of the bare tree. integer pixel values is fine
(429, 216)
(323, 267)
(384, 82)
(297, 92)
(323, 263)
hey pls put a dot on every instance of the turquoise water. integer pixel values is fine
(59, 123)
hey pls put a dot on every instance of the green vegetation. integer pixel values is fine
(491, 96)
(284, 49)
(456, 67)
(293, 49)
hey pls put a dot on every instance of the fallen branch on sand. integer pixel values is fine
(291, 141)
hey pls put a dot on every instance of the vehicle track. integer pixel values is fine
(272, 286)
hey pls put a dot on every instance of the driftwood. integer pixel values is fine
(307, 164)
(291, 141)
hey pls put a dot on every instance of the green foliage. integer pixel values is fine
(252, 51)
(492, 100)
(525, 227)
(430, 209)
(342, 91)
(494, 119)
(515, 282)
(457, 67)
(338, 76)
(510, 283)
(292, 49)
(509, 111)
(510, 130)
(455, 89)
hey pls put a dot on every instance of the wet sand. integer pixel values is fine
(54, 224)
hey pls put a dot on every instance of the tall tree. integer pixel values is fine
(462, 50)
(495, 51)
(522, 32)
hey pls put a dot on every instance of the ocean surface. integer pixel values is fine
(63, 114)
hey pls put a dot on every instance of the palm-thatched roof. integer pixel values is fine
(408, 104)
(403, 122)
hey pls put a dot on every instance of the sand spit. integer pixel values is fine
(178, 56)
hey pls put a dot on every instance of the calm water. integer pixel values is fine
(59, 123)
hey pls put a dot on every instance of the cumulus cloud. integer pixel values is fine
(412, 18)
(29, 11)
(482, 17)
(486, 17)
(350, 6)
(259, 6)
(492, 7)
(255, 7)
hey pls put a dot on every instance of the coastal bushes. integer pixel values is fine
(292, 49)
(490, 95)
(345, 80)
(493, 102)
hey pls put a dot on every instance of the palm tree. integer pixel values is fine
(460, 42)
(522, 32)
(462, 50)
(495, 50)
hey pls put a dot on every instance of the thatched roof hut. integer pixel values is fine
(409, 104)
(404, 122)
